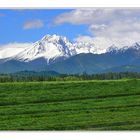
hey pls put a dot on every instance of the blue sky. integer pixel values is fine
(12, 24)
(102, 26)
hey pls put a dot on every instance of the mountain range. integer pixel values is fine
(57, 53)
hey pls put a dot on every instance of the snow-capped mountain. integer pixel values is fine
(54, 47)
(49, 48)
(88, 47)
(123, 49)
(57, 53)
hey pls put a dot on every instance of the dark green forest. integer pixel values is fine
(25, 76)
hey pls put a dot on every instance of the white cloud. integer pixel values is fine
(97, 15)
(11, 49)
(98, 27)
(32, 24)
(107, 26)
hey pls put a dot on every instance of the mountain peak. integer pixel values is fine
(112, 48)
(52, 47)
(136, 46)
(54, 38)
(49, 47)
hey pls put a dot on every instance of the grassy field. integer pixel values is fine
(83, 105)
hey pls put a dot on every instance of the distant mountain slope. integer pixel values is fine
(50, 47)
(57, 53)
(15, 66)
(79, 64)
(125, 68)
(98, 63)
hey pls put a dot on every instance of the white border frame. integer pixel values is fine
(69, 135)
(68, 3)
(74, 135)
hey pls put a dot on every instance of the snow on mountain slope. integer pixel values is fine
(7, 51)
(134, 47)
(53, 47)
(87, 47)
(49, 47)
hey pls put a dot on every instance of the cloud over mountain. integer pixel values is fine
(32, 24)
(106, 25)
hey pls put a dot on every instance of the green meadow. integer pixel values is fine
(70, 105)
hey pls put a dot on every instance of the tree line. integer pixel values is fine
(67, 77)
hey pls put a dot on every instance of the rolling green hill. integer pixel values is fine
(83, 105)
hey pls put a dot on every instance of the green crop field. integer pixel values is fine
(79, 105)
